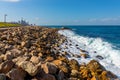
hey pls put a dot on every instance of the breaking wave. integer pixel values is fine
(109, 57)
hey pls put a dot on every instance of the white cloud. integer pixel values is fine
(10, 0)
(92, 20)
(115, 19)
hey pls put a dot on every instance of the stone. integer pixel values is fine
(74, 64)
(49, 59)
(6, 66)
(26, 44)
(3, 77)
(57, 62)
(20, 59)
(61, 75)
(8, 56)
(16, 74)
(35, 59)
(73, 79)
(15, 52)
(48, 77)
(99, 57)
(95, 78)
(30, 67)
(49, 68)
(95, 66)
(74, 73)
(84, 55)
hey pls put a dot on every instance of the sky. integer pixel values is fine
(62, 12)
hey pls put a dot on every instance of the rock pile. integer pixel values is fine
(30, 53)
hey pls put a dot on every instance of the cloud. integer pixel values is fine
(115, 19)
(92, 20)
(11, 0)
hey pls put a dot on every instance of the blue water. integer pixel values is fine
(110, 34)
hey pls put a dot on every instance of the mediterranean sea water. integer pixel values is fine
(103, 41)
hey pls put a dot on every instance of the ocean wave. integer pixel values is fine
(94, 47)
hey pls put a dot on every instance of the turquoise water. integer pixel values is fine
(109, 34)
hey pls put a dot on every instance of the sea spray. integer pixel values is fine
(94, 47)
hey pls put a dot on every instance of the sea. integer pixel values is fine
(96, 40)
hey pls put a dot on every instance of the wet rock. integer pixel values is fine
(74, 73)
(84, 55)
(49, 68)
(17, 74)
(99, 57)
(61, 75)
(6, 66)
(95, 66)
(74, 64)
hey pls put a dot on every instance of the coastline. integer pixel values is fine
(33, 53)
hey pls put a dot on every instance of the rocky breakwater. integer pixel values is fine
(32, 53)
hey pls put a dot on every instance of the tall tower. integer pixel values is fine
(5, 18)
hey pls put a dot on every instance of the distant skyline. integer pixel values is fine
(62, 12)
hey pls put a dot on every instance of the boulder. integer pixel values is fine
(8, 56)
(95, 66)
(74, 73)
(74, 64)
(6, 66)
(48, 77)
(30, 67)
(16, 74)
(35, 59)
(61, 75)
(49, 68)
(20, 59)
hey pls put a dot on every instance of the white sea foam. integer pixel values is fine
(94, 47)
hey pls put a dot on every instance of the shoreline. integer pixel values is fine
(33, 53)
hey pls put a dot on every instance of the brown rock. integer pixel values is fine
(49, 68)
(17, 74)
(73, 79)
(49, 59)
(35, 59)
(64, 68)
(95, 66)
(30, 67)
(74, 73)
(48, 77)
(6, 66)
(95, 78)
(74, 64)
(16, 52)
(20, 59)
(8, 56)
(57, 62)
